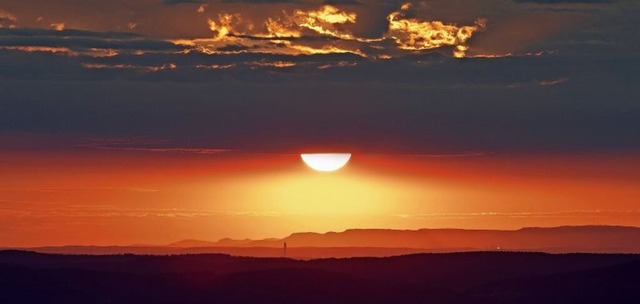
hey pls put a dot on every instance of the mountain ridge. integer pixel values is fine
(389, 242)
(293, 239)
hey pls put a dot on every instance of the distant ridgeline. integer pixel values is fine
(384, 242)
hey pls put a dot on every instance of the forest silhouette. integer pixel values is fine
(471, 277)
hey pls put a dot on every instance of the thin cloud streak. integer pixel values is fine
(541, 214)
(115, 212)
(165, 150)
(469, 154)
(136, 144)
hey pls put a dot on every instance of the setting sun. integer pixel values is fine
(326, 162)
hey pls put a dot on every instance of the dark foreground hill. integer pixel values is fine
(473, 277)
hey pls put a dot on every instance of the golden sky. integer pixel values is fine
(159, 196)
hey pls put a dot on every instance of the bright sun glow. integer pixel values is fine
(326, 162)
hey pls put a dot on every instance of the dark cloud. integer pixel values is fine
(234, 48)
(563, 1)
(374, 118)
(342, 2)
(80, 40)
(415, 103)
(34, 32)
(88, 43)
(261, 1)
(251, 93)
(172, 2)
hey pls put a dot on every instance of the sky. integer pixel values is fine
(151, 121)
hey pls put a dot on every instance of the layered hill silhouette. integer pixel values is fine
(472, 277)
(385, 242)
(578, 238)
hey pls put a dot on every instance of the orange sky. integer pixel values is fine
(125, 197)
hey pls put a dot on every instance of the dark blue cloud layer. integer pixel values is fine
(171, 2)
(563, 1)
(392, 106)
(582, 97)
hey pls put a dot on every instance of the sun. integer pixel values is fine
(326, 162)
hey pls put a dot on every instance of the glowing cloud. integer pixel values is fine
(415, 35)
(215, 66)
(327, 49)
(278, 29)
(325, 21)
(279, 34)
(225, 26)
(275, 64)
(42, 49)
(328, 20)
(59, 26)
(327, 14)
(97, 66)
(7, 20)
